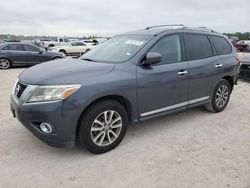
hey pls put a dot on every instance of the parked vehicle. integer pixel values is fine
(89, 42)
(73, 48)
(58, 41)
(242, 45)
(130, 78)
(245, 66)
(41, 42)
(23, 54)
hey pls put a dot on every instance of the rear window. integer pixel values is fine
(15, 47)
(221, 45)
(197, 46)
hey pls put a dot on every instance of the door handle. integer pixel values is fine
(182, 72)
(218, 65)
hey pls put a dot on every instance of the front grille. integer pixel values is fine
(19, 89)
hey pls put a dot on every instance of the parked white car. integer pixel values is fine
(58, 41)
(73, 48)
(88, 42)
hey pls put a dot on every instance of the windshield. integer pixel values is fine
(117, 49)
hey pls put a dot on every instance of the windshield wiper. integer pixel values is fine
(87, 59)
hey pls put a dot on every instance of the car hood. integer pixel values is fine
(64, 71)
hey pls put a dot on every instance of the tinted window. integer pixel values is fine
(15, 47)
(221, 45)
(197, 46)
(31, 48)
(170, 49)
(80, 44)
(74, 44)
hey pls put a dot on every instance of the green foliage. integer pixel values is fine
(242, 36)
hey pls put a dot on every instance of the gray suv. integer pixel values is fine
(130, 78)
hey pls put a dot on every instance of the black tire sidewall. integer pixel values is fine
(215, 107)
(89, 117)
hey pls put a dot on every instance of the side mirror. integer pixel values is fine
(152, 58)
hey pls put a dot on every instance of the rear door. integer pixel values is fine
(16, 53)
(203, 70)
(163, 87)
(81, 47)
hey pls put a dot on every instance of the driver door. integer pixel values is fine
(163, 87)
(34, 54)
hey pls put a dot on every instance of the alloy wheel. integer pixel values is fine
(4, 64)
(222, 96)
(106, 128)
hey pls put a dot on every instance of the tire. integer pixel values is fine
(100, 136)
(220, 98)
(5, 63)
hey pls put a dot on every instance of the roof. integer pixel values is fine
(156, 30)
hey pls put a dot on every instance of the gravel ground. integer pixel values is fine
(194, 148)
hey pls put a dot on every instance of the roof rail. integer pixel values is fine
(199, 28)
(182, 27)
(170, 25)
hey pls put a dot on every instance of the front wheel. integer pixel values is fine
(220, 98)
(103, 126)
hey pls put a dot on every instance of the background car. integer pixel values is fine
(89, 42)
(245, 66)
(73, 48)
(24, 54)
(242, 45)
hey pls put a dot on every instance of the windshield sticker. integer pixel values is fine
(135, 42)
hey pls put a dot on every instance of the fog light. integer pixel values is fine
(46, 128)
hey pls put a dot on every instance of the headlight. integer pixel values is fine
(52, 93)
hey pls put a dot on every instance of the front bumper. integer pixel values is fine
(61, 115)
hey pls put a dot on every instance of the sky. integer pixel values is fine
(109, 17)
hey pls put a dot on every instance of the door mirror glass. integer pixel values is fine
(152, 58)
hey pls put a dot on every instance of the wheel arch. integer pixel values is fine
(4, 57)
(230, 80)
(62, 50)
(121, 99)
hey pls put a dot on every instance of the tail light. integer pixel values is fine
(238, 59)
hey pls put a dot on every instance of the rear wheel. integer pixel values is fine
(103, 126)
(4, 63)
(220, 97)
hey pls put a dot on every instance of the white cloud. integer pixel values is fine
(80, 17)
